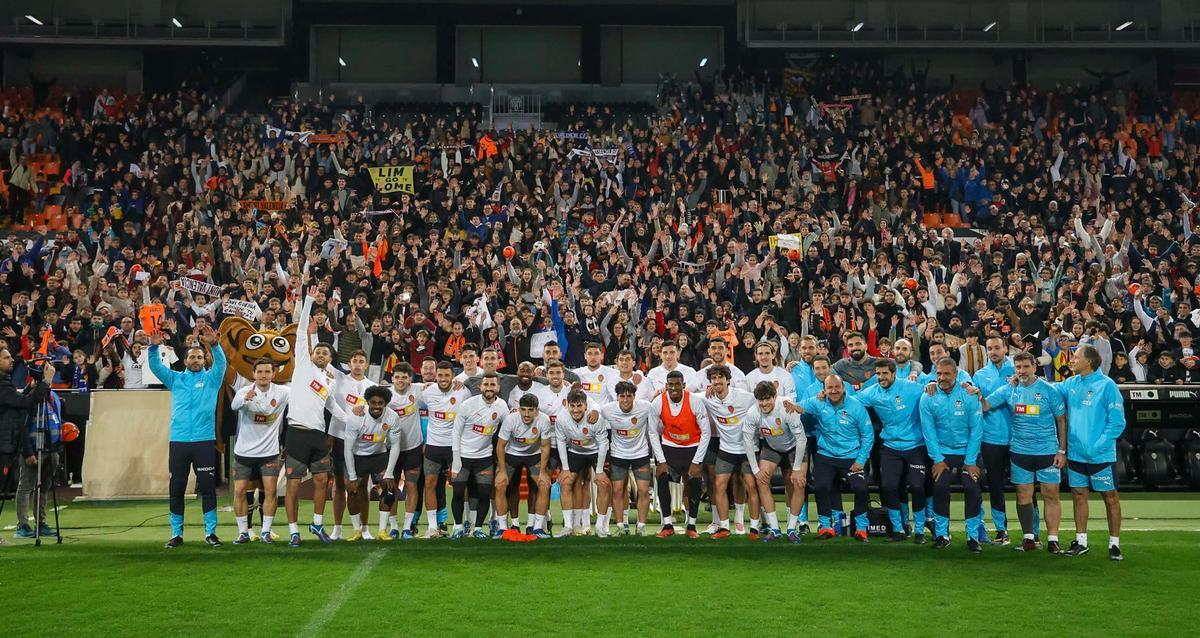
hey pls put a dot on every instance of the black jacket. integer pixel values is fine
(15, 408)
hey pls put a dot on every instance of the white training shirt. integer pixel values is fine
(259, 420)
(596, 382)
(727, 416)
(474, 426)
(312, 387)
(443, 409)
(638, 379)
(525, 439)
(737, 378)
(581, 437)
(630, 431)
(407, 405)
(349, 394)
(657, 378)
(778, 428)
(785, 385)
(368, 436)
(553, 403)
(514, 397)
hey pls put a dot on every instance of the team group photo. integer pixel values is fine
(321, 317)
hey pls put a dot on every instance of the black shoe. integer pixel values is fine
(1002, 538)
(212, 540)
(803, 529)
(942, 542)
(896, 537)
(1076, 549)
(919, 539)
(1114, 553)
(1053, 547)
(175, 541)
(973, 546)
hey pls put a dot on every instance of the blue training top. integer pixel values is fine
(193, 397)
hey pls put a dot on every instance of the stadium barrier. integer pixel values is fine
(126, 433)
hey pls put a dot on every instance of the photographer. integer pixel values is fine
(44, 440)
(15, 408)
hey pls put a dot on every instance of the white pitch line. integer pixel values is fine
(343, 593)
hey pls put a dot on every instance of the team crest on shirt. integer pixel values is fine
(633, 420)
(453, 400)
(412, 399)
(564, 403)
(386, 427)
(601, 378)
(274, 403)
(494, 415)
(585, 431)
(731, 409)
(778, 421)
(534, 430)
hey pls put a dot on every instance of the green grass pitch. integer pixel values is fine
(112, 578)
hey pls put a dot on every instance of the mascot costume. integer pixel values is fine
(243, 345)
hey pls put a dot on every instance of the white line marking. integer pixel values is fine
(343, 593)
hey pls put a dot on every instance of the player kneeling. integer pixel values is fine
(582, 449)
(369, 434)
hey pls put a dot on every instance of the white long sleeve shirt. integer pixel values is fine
(407, 405)
(631, 436)
(779, 429)
(349, 394)
(727, 416)
(312, 387)
(595, 382)
(368, 436)
(259, 420)
(581, 437)
(443, 408)
(476, 422)
(525, 439)
(785, 385)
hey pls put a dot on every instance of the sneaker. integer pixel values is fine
(1027, 545)
(1076, 549)
(434, 532)
(395, 534)
(1053, 547)
(407, 535)
(269, 538)
(1002, 538)
(495, 532)
(919, 539)
(803, 529)
(739, 529)
(354, 536)
(602, 531)
(212, 540)
(458, 534)
(24, 531)
(242, 539)
(1114, 553)
(481, 535)
(295, 542)
(861, 536)
(319, 532)
(974, 547)
(793, 537)
(771, 535)
(753, 534)
(825, 533)
(541, 534)
(386, 537)
(942, 542)
(336, 535)
(493, 529)
(254, 537)
(565, 532)
(175, 541)
(691, 532)
(528, 530)
(586, 531)
(896, 537)
(624, 529)
(712, 528)
(721, 533)
(46, 530)
(666, 532)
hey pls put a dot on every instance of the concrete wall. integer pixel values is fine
(550, 55)
(395, 54)
(98, 67)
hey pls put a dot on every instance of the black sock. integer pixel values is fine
(664, 493)
(1025, 515)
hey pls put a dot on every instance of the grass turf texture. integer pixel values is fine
(111, 577)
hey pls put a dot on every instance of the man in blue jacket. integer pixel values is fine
(902, 458)
(952, 425)
(997, 432)
(1095, 420)
(844, 441)
(193, 443)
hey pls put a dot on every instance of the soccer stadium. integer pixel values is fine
(663, 318)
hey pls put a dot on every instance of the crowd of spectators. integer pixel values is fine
(1076, 201)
